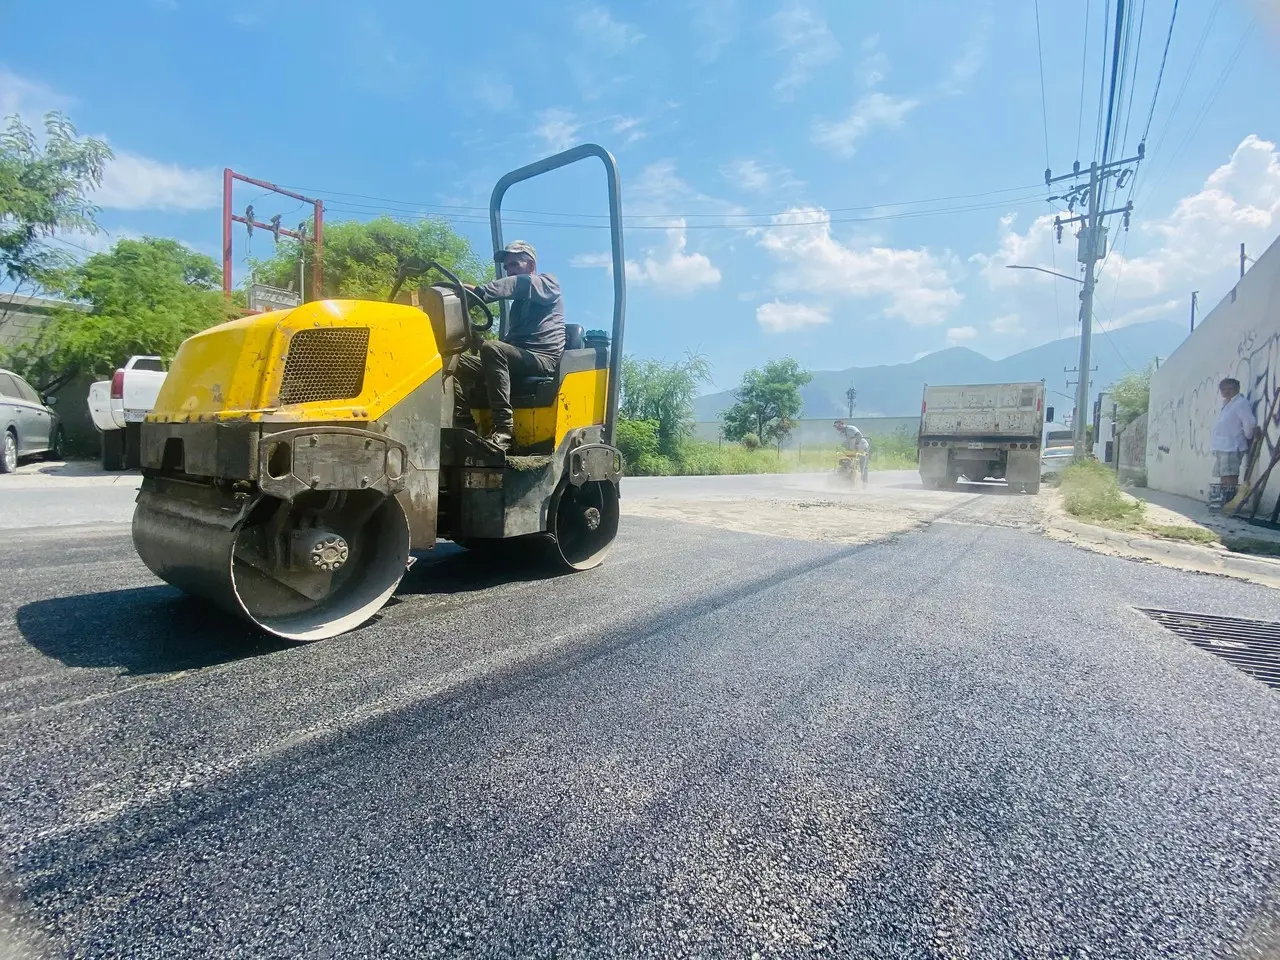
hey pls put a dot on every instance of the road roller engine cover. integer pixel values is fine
(295, 459)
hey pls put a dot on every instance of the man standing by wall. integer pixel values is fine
(1229, 441)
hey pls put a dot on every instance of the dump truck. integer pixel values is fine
(987, 431)
(295, 461)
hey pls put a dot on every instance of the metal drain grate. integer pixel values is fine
(1251, 646)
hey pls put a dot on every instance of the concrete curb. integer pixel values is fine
(1185, 555)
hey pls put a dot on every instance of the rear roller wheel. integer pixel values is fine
(304, 570)
(585, 524)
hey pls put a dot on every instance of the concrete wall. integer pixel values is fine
(1132, 465)
(822, 433)
(1239, 338)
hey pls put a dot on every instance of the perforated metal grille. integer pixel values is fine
(325, 364)
(1252, 646)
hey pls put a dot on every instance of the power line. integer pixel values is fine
(1186, 79)
(1044, 106)
(1102, 80)
(1133, 71)
(1160, 76)
(482, 213)
(1115, 70)
(409, 217)
(1202, 114)
(1084, 63)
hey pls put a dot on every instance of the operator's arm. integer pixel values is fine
(538, 287)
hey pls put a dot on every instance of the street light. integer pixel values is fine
(1052, 273)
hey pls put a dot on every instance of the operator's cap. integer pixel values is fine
(516, 246)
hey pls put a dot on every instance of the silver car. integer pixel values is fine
(30, 427)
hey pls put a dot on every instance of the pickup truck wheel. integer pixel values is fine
(1032, 488)
(113, 450)
(9, 455)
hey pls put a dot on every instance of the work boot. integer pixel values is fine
(501, 438)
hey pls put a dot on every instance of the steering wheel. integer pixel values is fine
(419, 267)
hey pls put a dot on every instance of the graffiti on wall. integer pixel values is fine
(1184, 422)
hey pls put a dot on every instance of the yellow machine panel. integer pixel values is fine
(328, 360)
(581, 403)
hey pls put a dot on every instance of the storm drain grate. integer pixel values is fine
(1252, 646)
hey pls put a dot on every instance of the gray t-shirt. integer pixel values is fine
(536, 318)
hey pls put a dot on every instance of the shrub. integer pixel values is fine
(750, 441)
(1091, 492)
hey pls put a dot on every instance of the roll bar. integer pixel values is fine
(555, 162)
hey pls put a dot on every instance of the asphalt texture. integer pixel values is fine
(962, 742)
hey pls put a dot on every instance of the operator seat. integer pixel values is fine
(541, 391)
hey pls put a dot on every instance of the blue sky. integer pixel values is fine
(782, 162)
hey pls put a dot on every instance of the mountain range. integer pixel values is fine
(894, 390)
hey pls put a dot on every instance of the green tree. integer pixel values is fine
(1132, 393)
(663, 393)
(361, 258)
(768, 402)
(145, 297)
(44, 191)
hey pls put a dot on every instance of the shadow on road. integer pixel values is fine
(449, 569)
(146, 630)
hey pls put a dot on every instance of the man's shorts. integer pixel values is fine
(1227, 464)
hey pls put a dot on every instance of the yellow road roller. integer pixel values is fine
(294, 460)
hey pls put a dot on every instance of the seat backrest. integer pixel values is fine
(573, 335)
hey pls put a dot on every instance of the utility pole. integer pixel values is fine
(852, 396)
(1091, 247)
(1195, 295)
(1243, 258)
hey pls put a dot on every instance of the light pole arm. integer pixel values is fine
(1052, 273)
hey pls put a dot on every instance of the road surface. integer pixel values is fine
(963, 741)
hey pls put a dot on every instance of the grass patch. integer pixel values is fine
(708, 458)
(1091, 493)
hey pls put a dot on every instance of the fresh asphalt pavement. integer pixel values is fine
(962, 742)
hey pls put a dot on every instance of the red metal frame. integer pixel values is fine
(229, 176)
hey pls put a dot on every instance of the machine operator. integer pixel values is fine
(531, 347)
(856, 442)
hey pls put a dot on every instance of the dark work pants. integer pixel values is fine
(497, 363)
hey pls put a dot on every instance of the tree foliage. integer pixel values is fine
(1132, 394)
(768, 402)
(361, 258)
(144, 297)
(663, 393)
(44, 191)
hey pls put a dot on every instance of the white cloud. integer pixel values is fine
(752, 176)
(29, 99)
(717, 22)
(916, 285)
(971, 59)
(873, 110)
(874, 66)
(595, 25)
(660, 191)
(779, 317)
(134, 182)
(494, 92)
(957, 335)
(804, 39)
(670, 268)
(1195, 246)
(558, 129)
(628, 128)
(1009, 325)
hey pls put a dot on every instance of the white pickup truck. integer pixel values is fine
(982, 431)
(118, 406)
